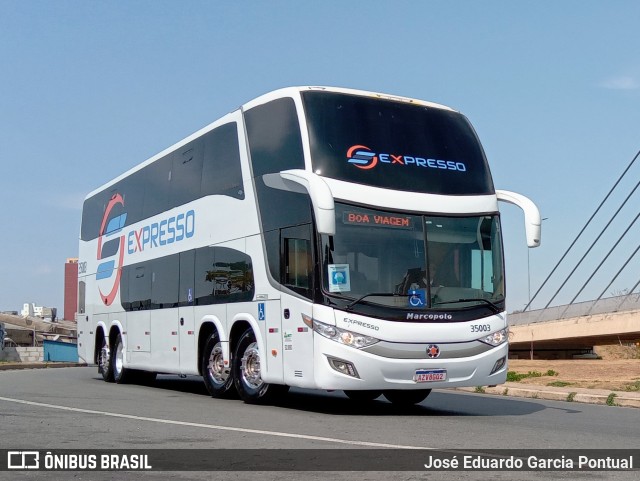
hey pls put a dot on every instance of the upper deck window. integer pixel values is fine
(208, 165)
(273, 132)
(395, 145)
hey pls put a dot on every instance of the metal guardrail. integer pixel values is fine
(627, 302)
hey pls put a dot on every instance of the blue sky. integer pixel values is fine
(91, 88)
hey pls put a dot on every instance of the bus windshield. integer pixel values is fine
(414, 262)
(395, 145)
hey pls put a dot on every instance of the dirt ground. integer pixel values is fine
(618, 370)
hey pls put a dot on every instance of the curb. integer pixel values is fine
(579, 395)
(11, 366)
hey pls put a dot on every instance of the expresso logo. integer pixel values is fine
(111, 243)
(366, 325)
(364, 158)
(167, 231)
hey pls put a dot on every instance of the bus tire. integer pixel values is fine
(104, 362)
(363, 396)
(217, 377)
(406, 398)
(121, 375)
(246, 370)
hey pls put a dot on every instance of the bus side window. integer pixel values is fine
(221, 172)
(138, 297)
(187, 278)
(297, 259)
(186, 173)
(297, 263)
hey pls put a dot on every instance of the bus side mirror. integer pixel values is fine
(301, 181)
(532, 220)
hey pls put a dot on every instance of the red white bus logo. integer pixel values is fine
(364, 158)
(110, 252)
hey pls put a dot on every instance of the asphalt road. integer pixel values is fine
(72, 408)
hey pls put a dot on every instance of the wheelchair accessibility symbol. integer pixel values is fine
(261, 315)
(416, 298)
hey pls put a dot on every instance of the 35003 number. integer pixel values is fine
(480, 327)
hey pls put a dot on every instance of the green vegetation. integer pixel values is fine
(570, 396)
(559, 383)
(633, 387)
(611, 399)
(513, 376)
(506, 391)
(479, 389)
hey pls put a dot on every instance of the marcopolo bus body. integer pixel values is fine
(316, 237)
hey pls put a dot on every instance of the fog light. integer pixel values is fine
(343, 367)
(498, 365)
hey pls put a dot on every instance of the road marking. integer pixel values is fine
(213, 426)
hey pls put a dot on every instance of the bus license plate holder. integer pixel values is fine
(430, 375)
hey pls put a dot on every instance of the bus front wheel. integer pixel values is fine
(247, 372)
(363, 396)
(406, 398)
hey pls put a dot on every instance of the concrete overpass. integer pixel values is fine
(566, 331)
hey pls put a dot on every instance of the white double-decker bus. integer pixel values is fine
(316, 237)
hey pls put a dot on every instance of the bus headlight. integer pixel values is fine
(496, 338)
(348, 338)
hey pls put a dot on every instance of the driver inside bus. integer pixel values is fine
(417, 278)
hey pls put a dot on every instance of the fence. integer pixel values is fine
(627, 302)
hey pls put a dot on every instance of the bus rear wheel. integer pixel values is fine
(406, 398)
(217, 376)
(247, 373)
(104, 361)
(121, 374)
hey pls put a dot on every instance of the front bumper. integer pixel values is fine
(379, 373)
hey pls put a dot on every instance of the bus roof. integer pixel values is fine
(289, 91)
(267, 97)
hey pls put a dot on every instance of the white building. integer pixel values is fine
(31, 310)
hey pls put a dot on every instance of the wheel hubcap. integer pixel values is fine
(251, 366)
(217, 371)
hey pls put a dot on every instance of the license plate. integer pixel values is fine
(430, 375)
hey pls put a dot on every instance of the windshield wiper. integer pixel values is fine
(372, 294)
(493, 307)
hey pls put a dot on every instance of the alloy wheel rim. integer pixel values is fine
(251, 366)
(217, 371)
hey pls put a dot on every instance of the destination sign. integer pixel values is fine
(379, 220)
